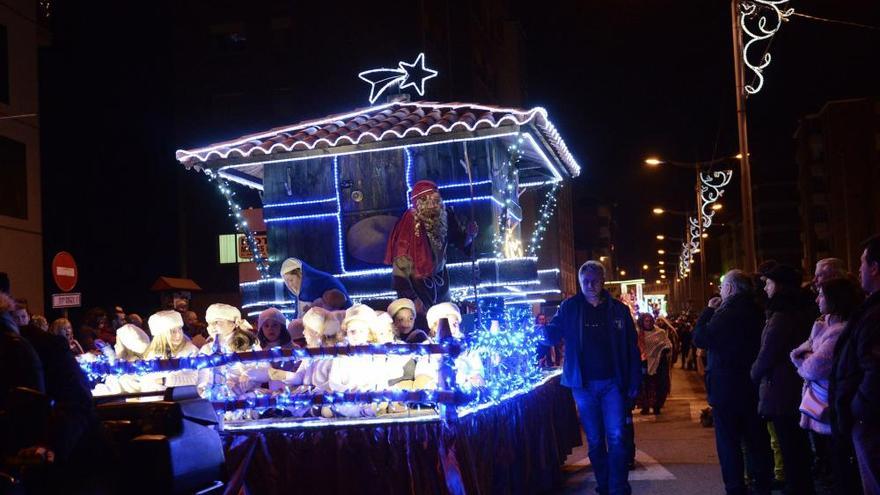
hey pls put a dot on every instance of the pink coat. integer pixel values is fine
(813, 361)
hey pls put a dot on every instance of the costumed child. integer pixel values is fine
(230, 333)
(403, 314)
(272, 330)
(308, 284)
(170, 341)
(131, 345)
(468, 365)
(357, 372)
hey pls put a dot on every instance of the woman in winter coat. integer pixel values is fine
(838, 299)
(790, 316)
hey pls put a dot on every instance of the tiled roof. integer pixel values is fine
(391, 121)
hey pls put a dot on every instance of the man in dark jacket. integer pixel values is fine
(730, 329)
(602, 368)
(790, 317)
(855, 375)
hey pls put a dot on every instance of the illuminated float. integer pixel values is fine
(467, 409)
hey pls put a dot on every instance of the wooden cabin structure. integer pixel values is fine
(333, 188)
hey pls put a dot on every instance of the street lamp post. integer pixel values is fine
(698, 168)
(742, 130)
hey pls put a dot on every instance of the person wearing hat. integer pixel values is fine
(468, 365)
(403, 315)
(790, 318)
(444, 310)
(230, 333)
(308, 284)
(417, 246)
(272, 330)
(169, 340)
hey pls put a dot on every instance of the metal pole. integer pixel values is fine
(702, 246)
(748, 225)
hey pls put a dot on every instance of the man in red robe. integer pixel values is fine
(417, 247)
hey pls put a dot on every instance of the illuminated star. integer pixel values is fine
(404, 76)
(412, 73)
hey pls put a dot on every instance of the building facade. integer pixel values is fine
(838, 157)
(22, 32)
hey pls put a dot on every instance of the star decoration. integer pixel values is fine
(412, 73)
(404, 76)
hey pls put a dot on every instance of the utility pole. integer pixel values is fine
(748, 225)
(702, 293)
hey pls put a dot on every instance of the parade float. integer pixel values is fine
(467, 410)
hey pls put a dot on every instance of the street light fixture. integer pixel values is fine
(717, 206)
(653, 162)
(644, 267)
(658, 211)
(622, 273)
(660, 237)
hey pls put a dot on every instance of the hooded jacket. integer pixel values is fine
(315, 283)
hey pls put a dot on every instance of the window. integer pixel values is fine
(4, 65)
(13, 185)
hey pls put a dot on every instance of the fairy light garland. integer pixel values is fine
(544, 216)
(105, 366)
(241, 224)
(507, 348)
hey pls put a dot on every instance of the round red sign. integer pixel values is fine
(64, 271)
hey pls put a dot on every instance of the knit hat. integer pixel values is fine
(402, 303)
(422, 188)
(784, 275)
(163, 322)
(290, 264)
(382, 330)
(358, 323)
(320, 326)
(359, 312)
(220, 311)
(442, 310)
(271, 314)
(132, 338)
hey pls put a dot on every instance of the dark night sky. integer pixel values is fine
(620, 79)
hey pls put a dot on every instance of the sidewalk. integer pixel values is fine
(674, 454)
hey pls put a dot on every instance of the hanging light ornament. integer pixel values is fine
(760, 20)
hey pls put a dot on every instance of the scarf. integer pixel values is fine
(656, 341)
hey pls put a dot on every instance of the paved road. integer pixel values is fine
(675, 455)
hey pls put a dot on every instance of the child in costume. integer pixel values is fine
(468, 365)
(131, 345)
(403, 314)
(170, 341)
(308, 284)
(229, 333)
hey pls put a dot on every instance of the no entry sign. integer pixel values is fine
(64, 271)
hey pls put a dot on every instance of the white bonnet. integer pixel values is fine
(163, 322)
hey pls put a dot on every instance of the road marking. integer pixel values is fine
(647, 469)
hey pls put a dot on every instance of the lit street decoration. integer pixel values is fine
(770, 14)
(404, 76)
(711, 189)
(712, 185)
